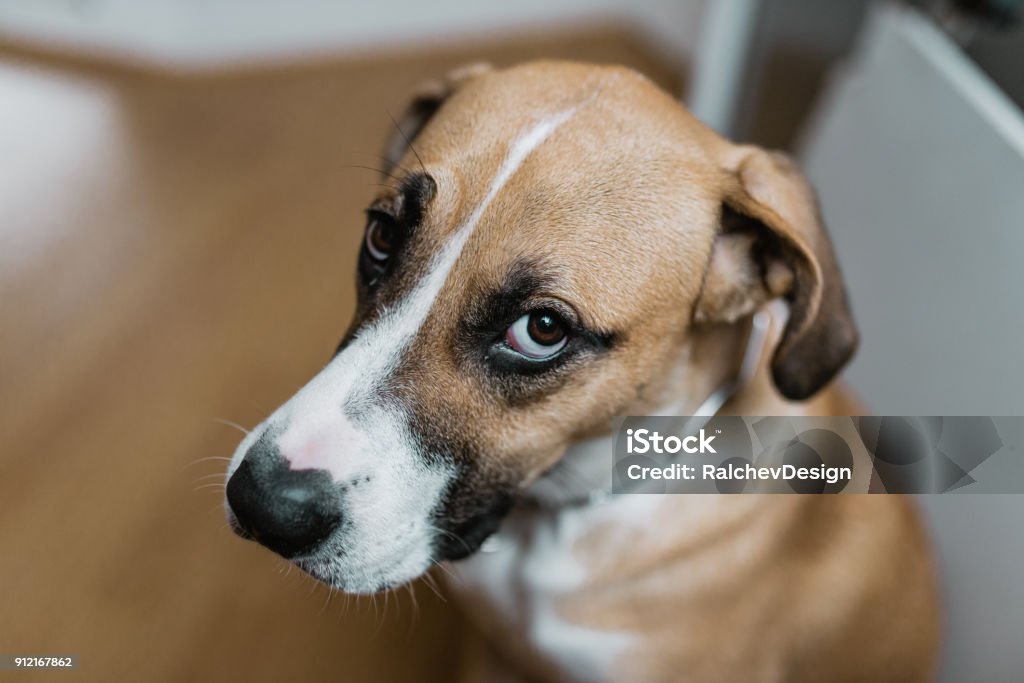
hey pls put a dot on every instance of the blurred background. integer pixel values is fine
(181, 187)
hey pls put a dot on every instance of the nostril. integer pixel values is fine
(290, 512)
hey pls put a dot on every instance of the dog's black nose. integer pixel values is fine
(288, 511)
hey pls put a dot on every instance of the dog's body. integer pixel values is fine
(566, 244)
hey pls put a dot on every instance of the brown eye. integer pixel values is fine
(537, 335)
(380, 239)
(545, 329)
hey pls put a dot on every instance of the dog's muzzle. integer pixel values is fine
(291, 512)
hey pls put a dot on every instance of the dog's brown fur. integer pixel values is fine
(654, 227)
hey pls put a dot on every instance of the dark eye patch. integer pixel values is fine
(416, 191)
(393, 220)
(525, 289)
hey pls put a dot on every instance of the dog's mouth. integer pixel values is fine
(461, 539)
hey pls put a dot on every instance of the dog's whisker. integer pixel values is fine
(200, 460)
(387, 602)
(229, 423)
(327, 601)
(447, 570)
(431, 582)
(408, 141)
(220, 475)
(451, 535)
(342, 607)
(429, 585)
(372, 168)
(412, 599)
(380, 157)
(437, 589)
(384, 612)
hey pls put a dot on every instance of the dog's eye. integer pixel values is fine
(381, 238)
(538, 335)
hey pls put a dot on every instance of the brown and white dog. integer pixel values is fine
(565, 243)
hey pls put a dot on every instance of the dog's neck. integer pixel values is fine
(584, 475)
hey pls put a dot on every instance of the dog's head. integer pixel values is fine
(555, 235)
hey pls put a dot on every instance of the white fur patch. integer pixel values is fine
(519, 585)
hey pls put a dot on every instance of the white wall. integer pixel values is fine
(919, 162)
(198, 34)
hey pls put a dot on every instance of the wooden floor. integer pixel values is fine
(174, 252)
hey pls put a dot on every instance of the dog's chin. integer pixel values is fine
(362, 581)
(410, 563)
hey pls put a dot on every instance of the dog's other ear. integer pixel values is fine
(773, 244)
(426, 100)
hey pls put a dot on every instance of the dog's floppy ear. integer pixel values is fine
(773, 244)
(426, 100)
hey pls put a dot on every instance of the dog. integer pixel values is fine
(564, 243)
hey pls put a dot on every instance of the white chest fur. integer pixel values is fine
(515, 590)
